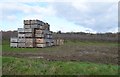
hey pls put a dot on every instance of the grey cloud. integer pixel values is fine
(101, 17)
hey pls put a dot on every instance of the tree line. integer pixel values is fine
(113, 37)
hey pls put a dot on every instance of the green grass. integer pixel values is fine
(26, 66)
(89, 43)
(6, 45)
(19, 66)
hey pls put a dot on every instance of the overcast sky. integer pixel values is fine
(67, 16)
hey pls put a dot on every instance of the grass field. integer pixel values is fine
(6, 45)
(20, 66)
(74, 57)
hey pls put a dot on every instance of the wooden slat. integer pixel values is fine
(41, 45)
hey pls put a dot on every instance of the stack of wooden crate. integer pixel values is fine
(35, 33)
(58, 42)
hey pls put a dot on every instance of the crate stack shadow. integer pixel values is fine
(35, 33)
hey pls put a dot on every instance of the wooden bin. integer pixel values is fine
(21, 35)
(34, 21)
(37, 22)
(39, 35)
(39, 31)
(48, 36)
(27, 26)
(27, 22)
(21, 40)
(29, 42)
(34, 26)
(61, 42)
(14, 39)
(21, 45)
(40, 40)
(29, 30)
(58, 42)
(41, 27)
(13, 44)
(29, 35)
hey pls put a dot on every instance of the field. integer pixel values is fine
(41, 67)
(74, 57)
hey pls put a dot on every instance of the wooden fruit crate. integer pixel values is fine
(40, 40)
(14, 45)
(21, 40)
(14, 39)
(27, 22)
(21, 35)
(39, 35)
(21, 45)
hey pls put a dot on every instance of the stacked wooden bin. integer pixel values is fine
(35, 33)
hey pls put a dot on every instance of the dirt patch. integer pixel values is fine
(97, 54)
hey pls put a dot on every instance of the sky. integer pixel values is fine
(94, 16)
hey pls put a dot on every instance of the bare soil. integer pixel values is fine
(96, 54)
